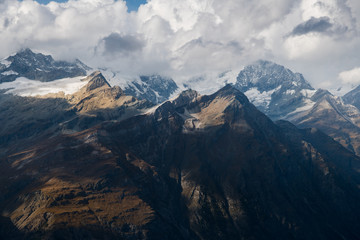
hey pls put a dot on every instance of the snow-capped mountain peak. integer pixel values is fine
(266, 75)
(274, 89)
(154, 88)
(37, 66)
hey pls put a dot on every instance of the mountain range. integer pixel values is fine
(282, 94)
(27, 65)
(103, 162)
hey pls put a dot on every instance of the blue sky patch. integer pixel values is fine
(132, 5)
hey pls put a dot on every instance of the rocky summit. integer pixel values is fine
(195, 167)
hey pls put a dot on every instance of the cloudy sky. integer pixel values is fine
(319, 38)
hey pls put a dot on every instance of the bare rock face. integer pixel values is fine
(195, 167)
(97, 80)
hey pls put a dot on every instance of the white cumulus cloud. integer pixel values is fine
(189, 38)
(352, 76)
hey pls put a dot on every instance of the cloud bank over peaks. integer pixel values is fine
(188, 38)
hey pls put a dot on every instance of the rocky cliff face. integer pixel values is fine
(196, 167)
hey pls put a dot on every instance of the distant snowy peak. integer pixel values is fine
(266, 76)
(274, 89)
(154, 88)
(37, 66)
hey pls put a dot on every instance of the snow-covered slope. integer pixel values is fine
(25, 87)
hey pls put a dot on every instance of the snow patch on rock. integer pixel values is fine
(308, 93)
(5, 62)
(7, 73)
(260, 98)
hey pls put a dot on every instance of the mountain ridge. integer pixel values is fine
(274, 89)
(99, 163)
(194, 167)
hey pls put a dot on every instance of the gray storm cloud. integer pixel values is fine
(319, 25)
(116, 44)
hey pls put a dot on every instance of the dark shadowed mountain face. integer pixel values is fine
(36, 66)
(196, 167)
